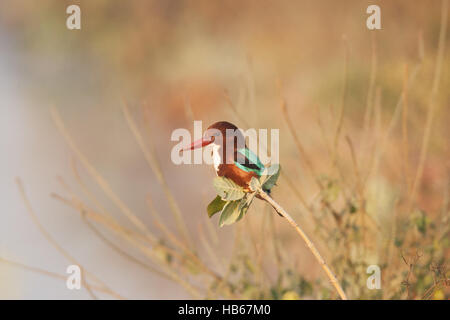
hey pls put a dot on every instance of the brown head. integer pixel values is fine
(220, 133)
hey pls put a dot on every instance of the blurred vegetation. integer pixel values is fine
(363, 118)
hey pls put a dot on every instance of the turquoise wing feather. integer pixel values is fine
(252, 162)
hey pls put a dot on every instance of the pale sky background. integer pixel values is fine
(33, 150)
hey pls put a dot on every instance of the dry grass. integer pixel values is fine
(356, 216)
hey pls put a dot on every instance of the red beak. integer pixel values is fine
(197, 144)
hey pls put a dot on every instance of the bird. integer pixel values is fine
(239, 165)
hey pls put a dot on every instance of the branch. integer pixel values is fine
(309, 243)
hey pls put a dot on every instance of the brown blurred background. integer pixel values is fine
(163, 55)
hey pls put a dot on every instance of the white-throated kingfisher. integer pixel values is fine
(239, 164)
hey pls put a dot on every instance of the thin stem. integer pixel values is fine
(151, 159)
(53, 275)
(405, 147)
(104, 185)
(343, 103)
(431, 103)
(55, 244)
(308, 242)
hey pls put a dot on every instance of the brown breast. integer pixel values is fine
(238, 176)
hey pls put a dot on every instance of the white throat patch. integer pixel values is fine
(216, 156)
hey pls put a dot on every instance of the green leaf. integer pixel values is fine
(190, 266)
(273, 172)
(230, 213)
(162, 253)
(331, 191)
(421, 221)
(215, 206)
(227, 189)
(244, 204)
(255, 184)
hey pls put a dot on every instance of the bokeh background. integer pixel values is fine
(175, 61)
